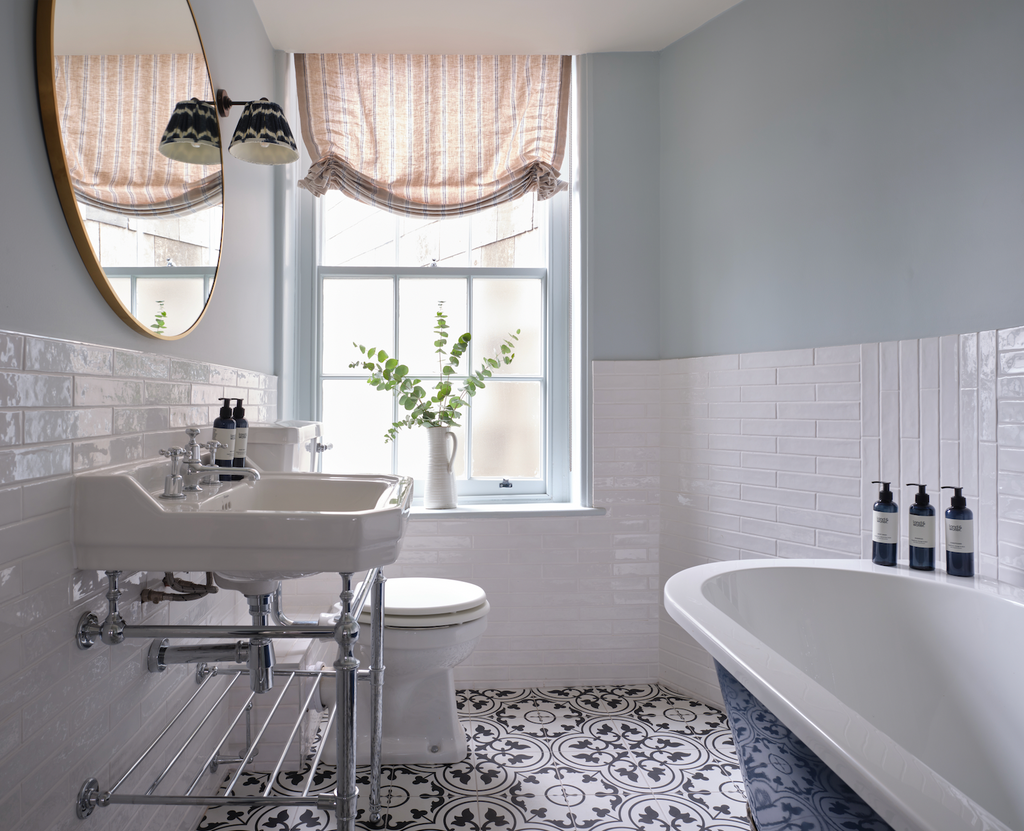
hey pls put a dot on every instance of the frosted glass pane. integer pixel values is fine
(356, 311)
(412, 454)
(122, 287)
(507, 430)
(500, 307)
(422, 242)
(511, 235)
(356, 234)
(355, 419)
(417, 307)
(182, 298)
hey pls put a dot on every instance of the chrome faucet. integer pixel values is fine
(187, 463)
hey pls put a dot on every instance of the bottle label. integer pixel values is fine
(922, 531)
(226, 437)
(884, 527)
(241, 440)
(960, 535)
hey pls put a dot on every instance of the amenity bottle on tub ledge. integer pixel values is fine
(921, 531)
(885, 527)
(959, 535)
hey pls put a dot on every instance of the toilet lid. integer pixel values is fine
(419, 602)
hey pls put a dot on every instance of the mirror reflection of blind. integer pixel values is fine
(113, 110)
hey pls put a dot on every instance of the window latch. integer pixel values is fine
(504, 483)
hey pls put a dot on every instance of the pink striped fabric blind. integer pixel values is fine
(113, 110)
(434, 135)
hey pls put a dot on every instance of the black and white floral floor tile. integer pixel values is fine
(626, 758)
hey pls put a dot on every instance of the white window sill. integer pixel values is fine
(519, 510)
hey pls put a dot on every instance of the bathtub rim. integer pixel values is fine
(843, 739)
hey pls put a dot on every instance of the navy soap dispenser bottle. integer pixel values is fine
(241, 436)
(885, 527)
(921, 530)
(959, 535)
(224, 432)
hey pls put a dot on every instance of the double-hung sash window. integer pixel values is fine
(381, 279)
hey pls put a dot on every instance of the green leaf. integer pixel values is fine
(382, 355)
(391, 364)
(369, 354)
(447, 370)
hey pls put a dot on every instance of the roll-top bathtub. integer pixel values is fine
(909, 685)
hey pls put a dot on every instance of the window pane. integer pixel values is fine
(412, 454)
(507, 430)
(418, 299)
(122, 287)
(422, 242)
(355, 419)
(182, 299)
(356, 311)
(501, 307)
(511, 235)
(356, 234)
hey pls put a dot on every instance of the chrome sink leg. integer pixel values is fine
(346, 671)
(376, 677)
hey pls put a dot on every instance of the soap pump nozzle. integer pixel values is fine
(884, 495)
(921, 497)
(958, 500)
(225, 411)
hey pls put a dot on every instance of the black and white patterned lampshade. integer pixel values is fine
(262, 135)
(193, 134)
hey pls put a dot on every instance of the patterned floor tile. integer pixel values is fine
(616, 758)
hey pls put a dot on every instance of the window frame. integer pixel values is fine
(297, 311)
(553, 485)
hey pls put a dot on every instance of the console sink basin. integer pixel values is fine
(283, 525)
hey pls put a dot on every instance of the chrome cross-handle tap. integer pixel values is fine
(193, 455)
(211, 479)
(174, 481)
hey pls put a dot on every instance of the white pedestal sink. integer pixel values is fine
(283, 525)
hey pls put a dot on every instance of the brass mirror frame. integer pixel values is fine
(46, 81)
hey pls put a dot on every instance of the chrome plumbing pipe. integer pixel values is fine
(161, 655)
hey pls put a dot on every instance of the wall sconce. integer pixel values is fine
(192, 135)
(262, 135)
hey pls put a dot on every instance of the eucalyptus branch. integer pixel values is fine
(443, 407)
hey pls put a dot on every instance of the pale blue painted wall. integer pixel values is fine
(623, 222)
(841, 171)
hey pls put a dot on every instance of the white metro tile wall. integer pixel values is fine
(68, 714)
(772, 455)
(573, 601)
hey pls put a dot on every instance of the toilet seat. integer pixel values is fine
(428, 602)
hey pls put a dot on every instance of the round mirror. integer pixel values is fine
(147, 224)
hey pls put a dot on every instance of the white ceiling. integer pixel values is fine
(487, 27)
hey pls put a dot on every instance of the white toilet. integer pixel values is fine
(430, 627)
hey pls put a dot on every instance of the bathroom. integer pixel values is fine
(820, 197)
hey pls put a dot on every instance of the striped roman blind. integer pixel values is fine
(434, 135)
(113, 110)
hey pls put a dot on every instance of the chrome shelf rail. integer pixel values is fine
(346, 672)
